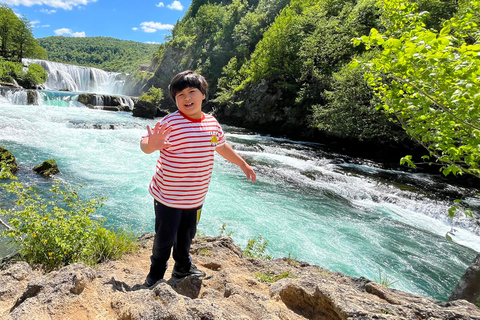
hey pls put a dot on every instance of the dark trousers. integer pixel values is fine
(173, 228)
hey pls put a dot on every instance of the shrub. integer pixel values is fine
(154, 95)
(34, 76)
(256, 248)
(56, 229)
(9, 71)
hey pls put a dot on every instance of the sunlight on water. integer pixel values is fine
(308, 204)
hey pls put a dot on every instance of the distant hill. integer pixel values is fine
(108, 54)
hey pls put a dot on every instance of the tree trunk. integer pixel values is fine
(468, 287)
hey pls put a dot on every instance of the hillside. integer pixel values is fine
(100, 52)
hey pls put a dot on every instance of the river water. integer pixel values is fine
(346, 215)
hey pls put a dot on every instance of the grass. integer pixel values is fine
(270, 277)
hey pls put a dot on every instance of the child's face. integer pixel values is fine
(189, 102)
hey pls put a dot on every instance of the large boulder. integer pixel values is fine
(147, 110)
(9, 159)
(468, 287)
(47, 168)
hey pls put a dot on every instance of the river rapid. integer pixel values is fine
(344, 214)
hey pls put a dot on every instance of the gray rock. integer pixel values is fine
(468, 287)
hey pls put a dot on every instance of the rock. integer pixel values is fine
(147, 110)
(106, 102)
(231, 290)
(9, 159)
(32, 97)
(188, 286)
(468, 287)
(47, 168)
(144, 109)
(46, 294)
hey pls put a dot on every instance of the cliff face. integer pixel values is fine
(231, 290)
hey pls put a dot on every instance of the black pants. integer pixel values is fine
(173, 227)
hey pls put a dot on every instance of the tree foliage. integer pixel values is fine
(429, 81)
(100, 52)
(16, 37)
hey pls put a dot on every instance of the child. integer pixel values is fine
(186, 140)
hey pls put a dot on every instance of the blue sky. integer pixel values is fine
(138, 20)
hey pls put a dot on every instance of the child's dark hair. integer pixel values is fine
(187, 79)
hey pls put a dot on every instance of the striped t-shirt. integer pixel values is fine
(184, 169)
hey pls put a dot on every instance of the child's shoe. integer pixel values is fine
(191, 271)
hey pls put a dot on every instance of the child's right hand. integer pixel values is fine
(157, 138)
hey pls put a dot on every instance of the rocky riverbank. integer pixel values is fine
(235, 287)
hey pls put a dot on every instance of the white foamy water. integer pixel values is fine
(62, 76)
(316, 207)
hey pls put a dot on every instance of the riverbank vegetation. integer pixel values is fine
(285, 68)
(57, 229)
(428, 80)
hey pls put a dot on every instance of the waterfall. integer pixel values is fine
(64, 85)
(74, 78)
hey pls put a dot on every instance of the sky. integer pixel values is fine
(145, 21)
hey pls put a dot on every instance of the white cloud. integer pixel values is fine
(45, 25)
(160, 4)
(134, 28)
(69, 32)
(48, 11)
(176, 5)
(63, 4)
(151, 26)
(34, 23)
(79, 34)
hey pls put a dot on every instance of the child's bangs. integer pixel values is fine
(187, 82)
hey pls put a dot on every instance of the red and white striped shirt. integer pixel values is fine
(184, 169)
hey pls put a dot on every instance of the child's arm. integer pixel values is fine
(156, 139)
(228, 153)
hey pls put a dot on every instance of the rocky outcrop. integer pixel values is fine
(147, 110)
(468, 287)
(106, 102)
(9, 159)
(47, 168)
(232, 289)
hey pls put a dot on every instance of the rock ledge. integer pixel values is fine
(231, 290)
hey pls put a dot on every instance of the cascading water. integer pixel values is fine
(69, 77)
(65, 82)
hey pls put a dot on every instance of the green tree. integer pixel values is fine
(8, 22)
(429, 82)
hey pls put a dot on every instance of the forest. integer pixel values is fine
(105, 53)
(320, 70)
